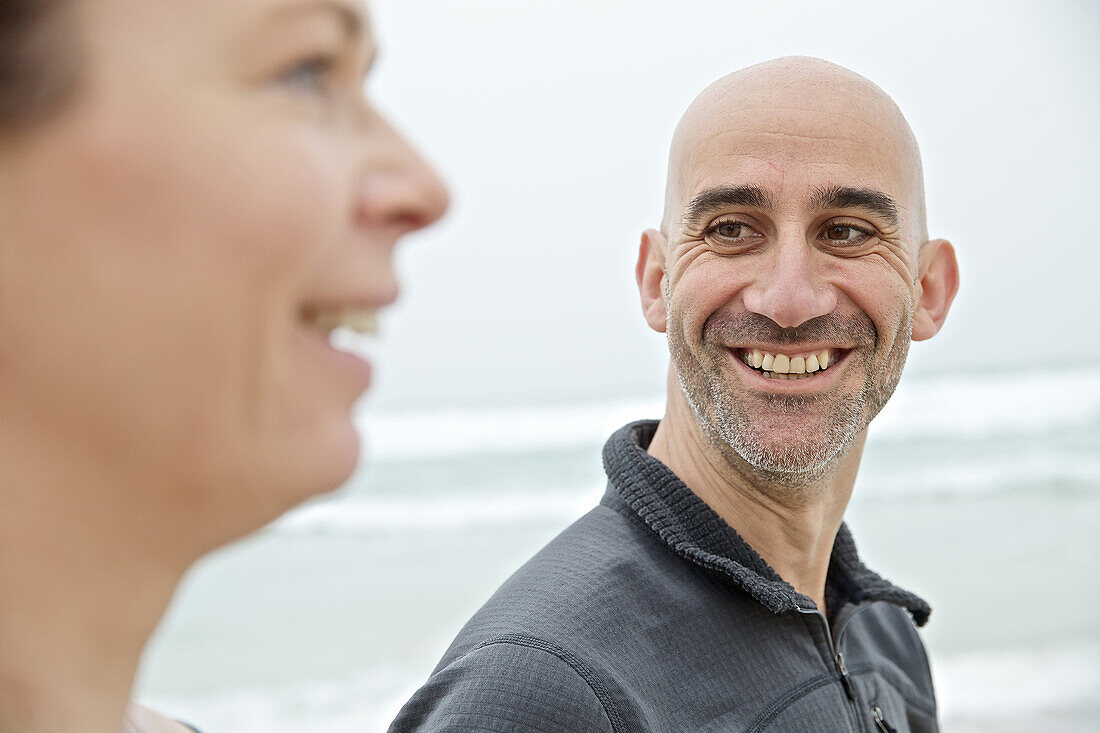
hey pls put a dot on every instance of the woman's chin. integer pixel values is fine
(325, 465)
(306, 470)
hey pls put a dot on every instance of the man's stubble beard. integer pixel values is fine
(797, 460)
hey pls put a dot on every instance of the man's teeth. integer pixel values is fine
(782, 364)
(360, 320)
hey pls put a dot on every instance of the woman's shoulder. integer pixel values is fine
(140, 719)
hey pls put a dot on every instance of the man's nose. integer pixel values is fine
(790, 290)
(398, 190)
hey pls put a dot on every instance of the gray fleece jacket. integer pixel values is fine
(651, 615)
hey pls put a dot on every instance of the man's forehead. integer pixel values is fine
(787, 168)
(790, 126)
(768, 143)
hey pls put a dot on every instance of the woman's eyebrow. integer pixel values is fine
(349, 14)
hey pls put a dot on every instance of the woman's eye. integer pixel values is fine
(312, 74)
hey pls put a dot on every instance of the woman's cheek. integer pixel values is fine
(295, 212)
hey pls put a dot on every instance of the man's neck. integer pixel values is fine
(792, 527)
(83, 582)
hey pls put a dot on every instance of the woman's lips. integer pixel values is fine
(346, 361)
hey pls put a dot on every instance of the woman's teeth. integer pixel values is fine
(363, 321)
(782, 366)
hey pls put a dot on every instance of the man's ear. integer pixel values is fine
(650, 274)
(939, 281)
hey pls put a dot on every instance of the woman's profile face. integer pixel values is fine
(179, 238)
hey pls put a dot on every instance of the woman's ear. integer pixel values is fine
(650, 274)
(939, 281)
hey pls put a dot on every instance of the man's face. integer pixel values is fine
(790, 279)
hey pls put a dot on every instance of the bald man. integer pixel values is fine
(715, 587)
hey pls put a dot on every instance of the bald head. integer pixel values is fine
(791, 116)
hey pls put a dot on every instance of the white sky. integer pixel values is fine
(551, 120)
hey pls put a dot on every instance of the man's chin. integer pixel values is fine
(788, 459)
(808, 461)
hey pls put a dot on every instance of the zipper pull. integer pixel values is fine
(838, 659)
(881, 721)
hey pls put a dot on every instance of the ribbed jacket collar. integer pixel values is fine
(646, 487)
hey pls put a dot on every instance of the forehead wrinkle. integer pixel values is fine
(845, 118)
(802, 136)
(712, 143)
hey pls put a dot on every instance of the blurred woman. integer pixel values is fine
(192, 196)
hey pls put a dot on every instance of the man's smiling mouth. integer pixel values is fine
(796, 365)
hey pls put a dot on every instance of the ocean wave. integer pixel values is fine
(369, 512)
(984, 692)
(365, 703)
(1044, 470)
(991, 405)
(945, 406)
(506, 430)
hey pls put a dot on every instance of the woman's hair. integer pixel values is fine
(37, 68)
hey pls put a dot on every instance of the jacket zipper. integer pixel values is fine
(838, 660)
(880, 721)
(849, 687)
(838, 663)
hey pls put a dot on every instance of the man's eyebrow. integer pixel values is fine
(869, 199)
(715, 199)
(351, 17)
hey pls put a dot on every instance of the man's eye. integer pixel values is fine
(845, 233)
(726, 230)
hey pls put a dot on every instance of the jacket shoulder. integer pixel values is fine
(518, 684)
(577, 590)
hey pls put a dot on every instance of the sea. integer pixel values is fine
(978, 491)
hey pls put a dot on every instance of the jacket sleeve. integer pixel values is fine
(505, 687)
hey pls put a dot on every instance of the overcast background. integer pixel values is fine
(551, 120)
